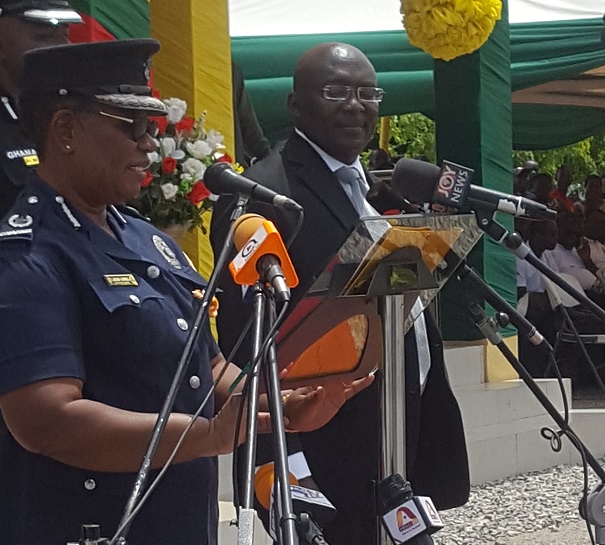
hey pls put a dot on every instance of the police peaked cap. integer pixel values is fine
(114, 73)
(48, 12)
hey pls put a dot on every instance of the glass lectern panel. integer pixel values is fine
(335, 330)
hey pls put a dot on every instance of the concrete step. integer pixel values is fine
(465, 363)
(589, 426)
(486, 405)
(503, 424)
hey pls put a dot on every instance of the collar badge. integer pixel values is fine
(166, 251)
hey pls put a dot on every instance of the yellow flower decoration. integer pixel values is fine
(447, 29)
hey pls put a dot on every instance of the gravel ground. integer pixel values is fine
(530, 509)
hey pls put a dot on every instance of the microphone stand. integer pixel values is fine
(288, 519)
(594, 509)
(246, 513)
(264, 314)
(162, 419)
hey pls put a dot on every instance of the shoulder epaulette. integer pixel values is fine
(17, 224)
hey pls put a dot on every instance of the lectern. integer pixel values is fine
(355, 316)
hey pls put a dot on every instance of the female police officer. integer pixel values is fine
(95, 308)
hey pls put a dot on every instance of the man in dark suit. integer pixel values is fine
(334, 106)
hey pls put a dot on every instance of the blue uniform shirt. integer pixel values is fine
(75, 302)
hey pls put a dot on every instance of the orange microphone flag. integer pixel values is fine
(255, 237)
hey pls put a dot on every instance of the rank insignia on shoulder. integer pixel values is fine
(119, 280)
(24, 234)
(31, 161)
(166, 251)
(20, 221)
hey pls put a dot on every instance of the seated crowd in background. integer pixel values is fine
(573, 246)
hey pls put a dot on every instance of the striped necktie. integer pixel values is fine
(422, 342)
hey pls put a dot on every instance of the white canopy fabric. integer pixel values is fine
(283, 17)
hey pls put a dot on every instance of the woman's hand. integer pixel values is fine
(311, 407)
(223, 426)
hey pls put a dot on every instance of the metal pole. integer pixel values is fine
(281, 470)
(247, 513)
(393, 410)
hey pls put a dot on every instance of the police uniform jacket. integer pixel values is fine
(115, 314)
(17, 155)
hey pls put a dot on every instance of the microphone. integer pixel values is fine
(313, 509)
(383, 199)
(407, 518)
(221, 178)
(261, 254)
(450, 185)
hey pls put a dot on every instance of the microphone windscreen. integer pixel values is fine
(263, 483)
(383, 199)
(415, 180)
(244, 227)
(214, 177)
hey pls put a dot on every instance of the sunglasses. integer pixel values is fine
(140, 126)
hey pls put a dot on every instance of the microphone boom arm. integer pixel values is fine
(514, 243)
(481, 321)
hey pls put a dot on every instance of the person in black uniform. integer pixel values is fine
(24, 25)
(96, 305)
(250, 142)
(334, 107)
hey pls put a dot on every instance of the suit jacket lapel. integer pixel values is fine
(316, 177)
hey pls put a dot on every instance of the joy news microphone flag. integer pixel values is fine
(450, 186)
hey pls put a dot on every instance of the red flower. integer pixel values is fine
(198, 193)
(185, 124)
(148, 179)
(169, 165)
(162, 123)
(225, 158)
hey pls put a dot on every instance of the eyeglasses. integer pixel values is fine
(140, 125)
(343, 92)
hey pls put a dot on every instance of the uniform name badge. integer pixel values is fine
(119, 280)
